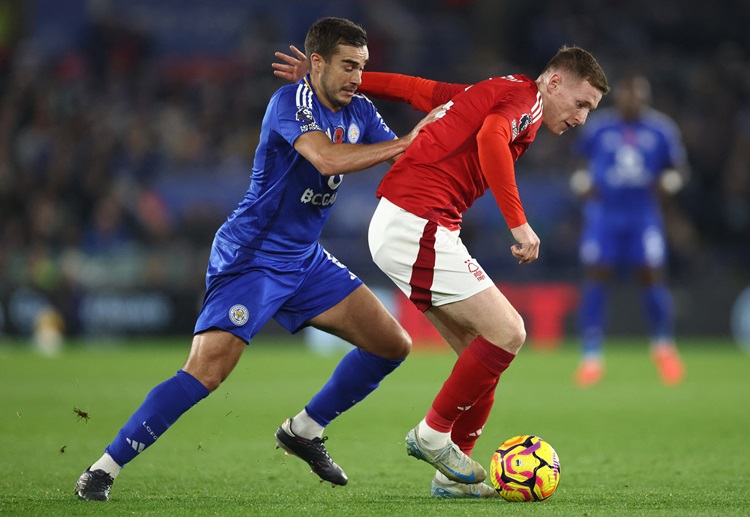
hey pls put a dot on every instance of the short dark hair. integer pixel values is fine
(328, 33)
(580, 63)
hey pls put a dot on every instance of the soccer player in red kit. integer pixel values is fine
(414, 234)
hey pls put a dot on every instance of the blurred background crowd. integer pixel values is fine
(128, 127)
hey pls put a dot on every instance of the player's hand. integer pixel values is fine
(671, 182)
(581, 183)
(431, 117)
(527, 249)
(295, 67)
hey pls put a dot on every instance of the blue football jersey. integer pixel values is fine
(625, 160)
(288, 200)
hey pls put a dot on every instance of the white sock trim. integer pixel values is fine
(108, 465)
(303, 425)
(431, 438)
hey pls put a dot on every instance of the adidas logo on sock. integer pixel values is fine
(476, 434)
(137, 446)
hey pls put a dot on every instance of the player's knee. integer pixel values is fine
(402, 345)
(210, 377)
(405, 347)
(211, 385)
(515, 335)
(398, 346)
(211, 382)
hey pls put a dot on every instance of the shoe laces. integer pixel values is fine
(318, 443)
(453, 452)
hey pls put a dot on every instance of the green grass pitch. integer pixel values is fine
(627, 447)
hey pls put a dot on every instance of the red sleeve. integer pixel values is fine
(423, 94)
(496, 161)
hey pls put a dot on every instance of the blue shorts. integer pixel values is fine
(634, 246)
(243, 291)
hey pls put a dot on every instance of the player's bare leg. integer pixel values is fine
(488, 314)
(382, 344)
(487, 332)
(213, 355)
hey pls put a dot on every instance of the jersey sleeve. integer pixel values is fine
(422, 94)
(290, 117)
(376, 130)
(676, 153)
(496, 161)
(521, 106)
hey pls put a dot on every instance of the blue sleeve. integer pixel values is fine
(376, 129)
(676, 154)
(293, 117)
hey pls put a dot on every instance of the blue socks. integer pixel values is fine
(162, 407)
(356, 376)
(591, 316)
(657, 303)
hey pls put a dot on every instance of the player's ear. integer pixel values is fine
(316, 62)
(554, 82)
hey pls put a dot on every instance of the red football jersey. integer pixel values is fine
(439, 176)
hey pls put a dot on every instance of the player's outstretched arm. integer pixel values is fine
(423, 94)
(331, 159)
(317, 148)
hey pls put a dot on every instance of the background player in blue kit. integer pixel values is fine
(266, 262)
(634, 154)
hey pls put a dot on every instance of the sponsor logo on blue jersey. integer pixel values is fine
(318, 199)
(305, 116)
(309, 196)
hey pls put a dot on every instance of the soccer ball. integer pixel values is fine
(525, 468)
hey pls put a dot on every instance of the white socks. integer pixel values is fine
(304, 426)
(108, 465)
(431, 438)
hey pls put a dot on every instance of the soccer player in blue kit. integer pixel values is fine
(634, 155)
(266, 262)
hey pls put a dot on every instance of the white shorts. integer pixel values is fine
(428, 262)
